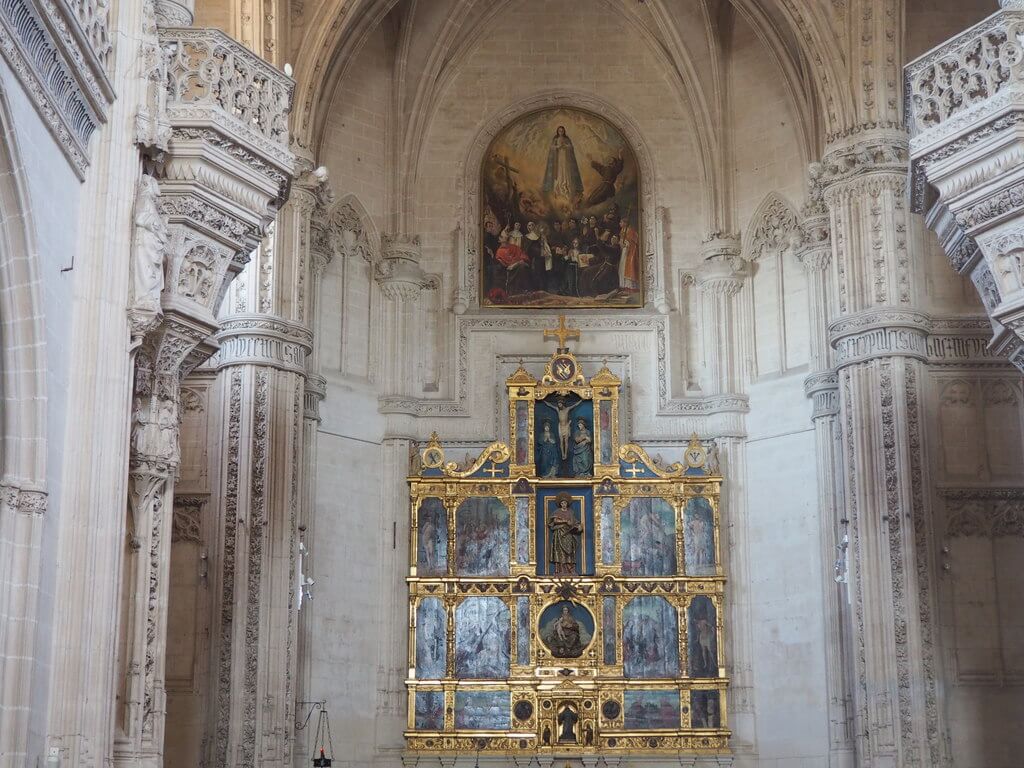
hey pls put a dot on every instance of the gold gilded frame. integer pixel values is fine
(547, 683)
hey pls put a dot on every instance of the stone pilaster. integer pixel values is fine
(719, 279)
(813, 249)
(879, 341)
(261, 376)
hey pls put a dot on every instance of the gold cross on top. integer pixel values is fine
(562, 333)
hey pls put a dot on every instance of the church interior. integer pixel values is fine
(624, 383)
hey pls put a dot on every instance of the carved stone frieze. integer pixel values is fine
(60, 52)
(187, 525)
(262, 340)
(883, 333)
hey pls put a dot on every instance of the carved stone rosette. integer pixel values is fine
(965, 108)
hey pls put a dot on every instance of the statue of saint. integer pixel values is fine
(582, 451)
(547, 452)
(567, 720)
(565, 537)
(563, 409)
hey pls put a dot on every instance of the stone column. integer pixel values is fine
(720, 279)
(261, 375)
(814, 251)
(879, 342)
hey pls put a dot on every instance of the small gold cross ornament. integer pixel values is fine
(562, 333)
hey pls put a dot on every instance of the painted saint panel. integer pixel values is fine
(605, 421)
(648, 544)
(522, 431)
(608, 627)
(650, 647)
(560, 214)
(699, 537)
(522, 630)
(705, 709)
(565, 436)
(607, 531)
(702, 636)
(430, 710)
(483, 633)
(566, 629)
(522, 530)
(481, 537)
(483, 710)
(432, 550)
(651, 710)
(431, 647)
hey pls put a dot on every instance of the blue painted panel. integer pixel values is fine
(650, 646)
(702, 637)
(482, 537)
(483, 636)
(429, 710)
(699, 538)
(648, 545)
(651, 710)
(431, 647)
(432, 545)
(483, 710)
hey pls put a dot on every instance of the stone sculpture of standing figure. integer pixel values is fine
(149, 241)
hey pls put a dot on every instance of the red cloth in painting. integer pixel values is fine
(509, 254)
(630, 269)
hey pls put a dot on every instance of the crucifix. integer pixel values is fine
(562, 333)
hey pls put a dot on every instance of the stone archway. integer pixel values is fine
(22, 442)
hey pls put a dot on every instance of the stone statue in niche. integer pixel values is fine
(148, 243)
(567, 720)
(565, 537)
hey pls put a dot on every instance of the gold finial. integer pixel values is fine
(562, 333)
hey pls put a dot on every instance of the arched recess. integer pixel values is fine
(778, 289)
(22, 443)
(349, 295)
(468, 257)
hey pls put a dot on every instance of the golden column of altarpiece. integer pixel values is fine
(565, 591)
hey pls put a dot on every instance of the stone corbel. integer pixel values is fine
(723, 270)
(398, 271)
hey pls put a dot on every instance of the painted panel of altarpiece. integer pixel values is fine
(482, 537)
(482, 638)
(566, 596)
(648, 538)
(433, 538)
(650, 646)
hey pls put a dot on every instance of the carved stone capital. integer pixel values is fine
(867, 150)
(723, 270)
(257, 339)
(398, 272)
(175, 13)
(880, 333)
(823, 390)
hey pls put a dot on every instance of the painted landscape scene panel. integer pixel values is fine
(560, 214)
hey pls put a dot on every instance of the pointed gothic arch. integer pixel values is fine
(23, 438)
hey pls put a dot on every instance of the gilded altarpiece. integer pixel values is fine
(565, 591)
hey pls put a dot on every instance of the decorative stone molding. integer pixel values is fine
(314, 394)
(772, 228)
(60, 51)
(823, 390)
(723, 270)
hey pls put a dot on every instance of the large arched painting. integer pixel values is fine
(560, 214)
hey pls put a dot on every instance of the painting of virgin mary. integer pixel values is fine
(560, 216)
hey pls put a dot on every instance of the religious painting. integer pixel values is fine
(699, 537)
(483, 634)
(650, 646)
(431, 647)
(705, 709)
(566, 629)
(648, 531)
(432, 547)
(482, 537)
(607, 531)
(605, 425)
(430, 710)
(651, 710)
(565, 532)
(522, 431)
(483, 710)
(560, 214)
(564, 426)
(702, 633)
(522, 530)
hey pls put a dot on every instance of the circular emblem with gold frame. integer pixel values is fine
(433, 457)
(563, 368)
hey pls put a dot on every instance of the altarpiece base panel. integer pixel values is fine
(566, 592)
